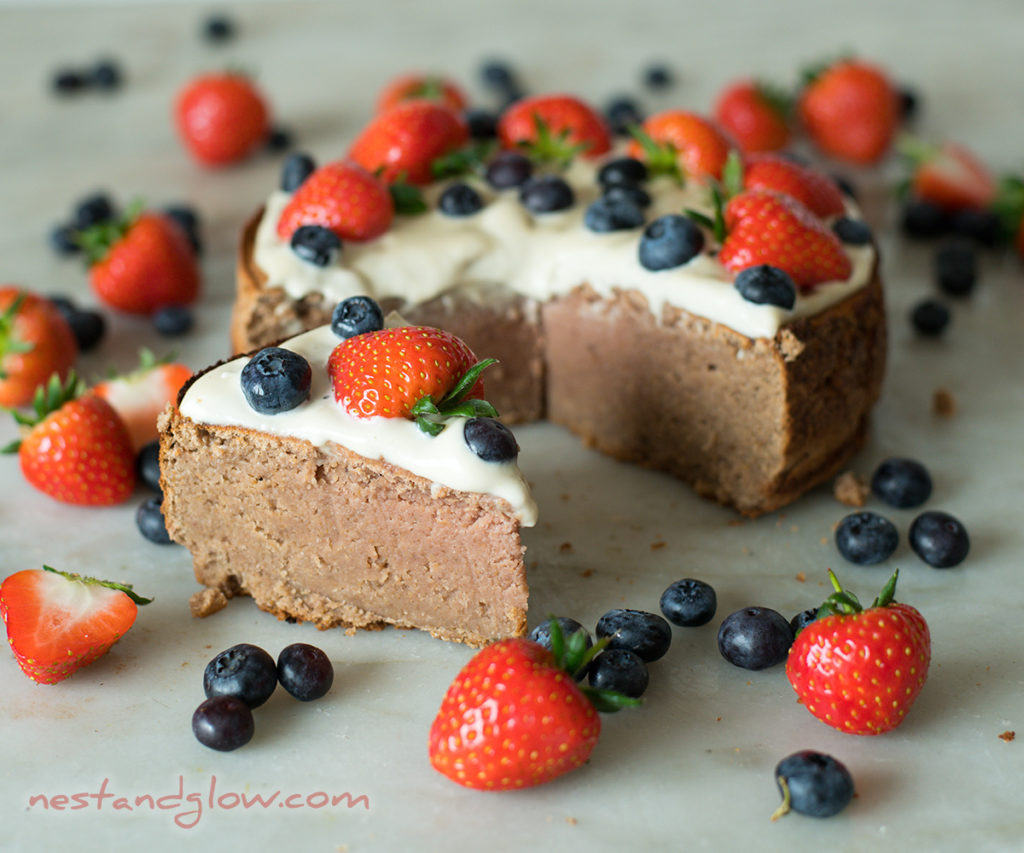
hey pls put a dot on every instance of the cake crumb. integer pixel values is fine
(823, 540)
(206, 602)
(746, 551)
(851, 490)
(565, 548)
(586, 573)
(801, 576)
(564, 496)
(571, 821)
(794, 528)
(535, 564)
(943, 403)
(735, 522)
(657, 546)
(1008, 736)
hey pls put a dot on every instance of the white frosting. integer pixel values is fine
(540, 256)
(216, 398)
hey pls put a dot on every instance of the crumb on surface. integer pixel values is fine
(565, 548)
(1008, 735)
(943, 403)
(850, 489)
(207, 601)
(586, 573)
(571, 821)
(801, 576)
(657, 546)
(735, 522)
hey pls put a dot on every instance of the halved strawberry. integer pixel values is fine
(948, 175)
(58, 622)
(554, 128)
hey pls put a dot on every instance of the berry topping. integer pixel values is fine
(901, 483)
(628, 192)
(546, 194)
(316, 245)
(939, 539)
(681, 143)
(491, 440)
(611, 213)
(754, 638)
(622, 170)
(296, 168)
(223, 723)
(852, 232)
(956, 270)
(812, 783)
(221, 118)
(244, 671)
(508, 169)
(645, 634)
(866, 538)
(554, 128)
(305, 671)
(813, 189)
(460, 199)
(355, 316)
(149, 518)
(620, 670)
(766, 285)
(689, 602)
(930, 317)
(670, 241)
(428, 87)
(276, 380)
(173, 321)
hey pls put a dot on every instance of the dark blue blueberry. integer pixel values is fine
(304, 671)
(149, 518)
(622, 114)
(631, 192)
(69, 81)
(902, 482)
(491, 440)
(612, 214)
(546, 194)
(984, 227)
(188, 221)
(316, 245)
(106, 74)
(645, 634)
(846, 186)
(509, 169)
(755, 638)
(482, 124)
(296, 168)
(939, 539)
(620, 670)
(670, 241)
(147, 464)
(223, 723)
(909, 101)
(956, 268)
(689, 602)
(803, 619)
(244, 671)
(88, 327)
(923, 220)
(62, 239)
(542, 633)
(657, 75)
(276, 380)
(499, 76)
(173, 321)
(866, 538)
(930, 317)
(766, 285)
(92, 210)
(460, 199)
(279, 139)
(219, 28)
(622, 170)
(356, 315)
(818, 784)
(853, 232)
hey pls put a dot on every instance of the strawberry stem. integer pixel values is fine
(431, 416)
(120, 587)
(49, 397)
(787, 799)
(660, 158)
(9, 342)
(572, 655)
(844, 602)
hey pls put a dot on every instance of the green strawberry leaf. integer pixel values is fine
(121, 587)
(463, 161)
(660, 158)
(407, 199)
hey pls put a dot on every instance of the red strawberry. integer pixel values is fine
(851, 111)
(403, 143)
(681, 141)
(76, 449)
(423, 87)
(764, 227)
(35, 342)
(59, 622)
(755, 114)
(344, 197)
(554, 128)
(140, 396)
(814, 189)
(949, 176)
(221, 118)
(860, 670)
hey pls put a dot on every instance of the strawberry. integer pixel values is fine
(403, 143)
(682, 143)
(948, 175)
(814, 189)
(59, 622)
(421, 87)
(35, 342)
(851, 111)
(859, 670)
(514, 717)
(415, 372)
(221, 118)
(756, 114)
(140, 396)
(76, 449)
(343, 197)
(554, 128)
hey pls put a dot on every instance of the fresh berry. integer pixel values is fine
(223, 723)
(341, 196)
(491, 440)
(901, 482)
(949, 176)
(498, 75)
(92, 210)
(567, 625)
(305, 671)
(546, 194)
(755, 114)
(106, 74)
(930, 317)
(276, 380)
(813, 189)
(188, 220)
(923, 220)
(279, 139)
(956, 268)
(508, 169)
(149, 518)
(296, 168)
(63, 240)
(984, 227)
(141, 396)
(766, 285)
(910, 102)
(404, 142)
(631, 193)
(866, 538)
(219, 28)
(860, 670)
(59, 622)
(173, 321)
(76, 448)
(658, 76)
(645, 634)
(852, 232)
(803, 619)
(88, 327)
(669, 241)
(678, 142)
(244, 671)
(851, 111)
(622, 170)
(689, 603)
(460, 199)
(554, 128)
(147, 465)
(421, 87)
(754, 638)
(356, 316)
(939, 539)
(611, 213)
(69, 81)
(316, 245)
(35, 342)
(620, 670)
(623, 113)
(482, 124)
(813, 783)
(221, 118)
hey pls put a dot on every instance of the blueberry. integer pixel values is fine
(316, 245)
(279, 139)
(460, 199)
(499, 76)
(818, 785)
(956, 268)
(491, 440)
(356, 316)
(188, 220)
(623, 113)
(69, 81)
(542, 633)
(620, 670)
(846, 186)
(803, 619)
(689, 603)
(923, 220)
(930, 317)
(546, 194)
(276, 380)
(865, 538)
(173, 321)
(244, 671)
(612, 214)
(622, 170)
(147, 464)
(657, 75)
(223, 723)
(219, 28)
(982, 226)
(766, 285)
(106, 74)
(939, 539)
(62, 239)
(630, 192)
(482, 124)
(646, 634)
(296, 168)
(149, 518)
(304, 671)
(909, 102)
(88, 327)
(92, 210)
(902, 483)
(853, 232)
(755, 638)
(669, 241)
(508, 169)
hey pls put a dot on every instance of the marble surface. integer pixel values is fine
(691, 769)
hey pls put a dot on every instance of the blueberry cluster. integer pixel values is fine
(149, 516)
(104, 75)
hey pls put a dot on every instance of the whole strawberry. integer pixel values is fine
(757, 115)
(59, 622)
(812, 188)
(428, 87)
(859, 670)
(221, 118)
(75, 448)
(35, 342)
(554, 128)
(682, 143)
